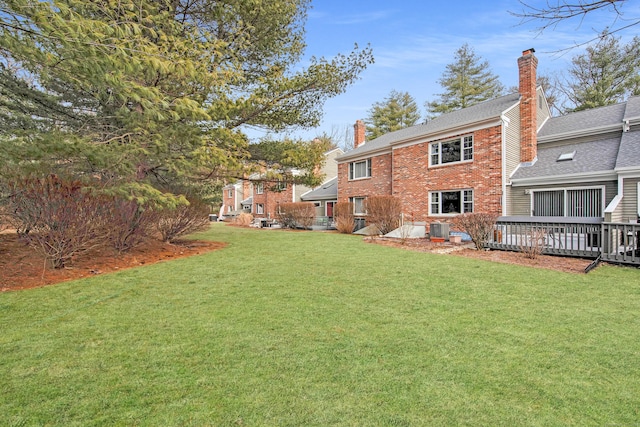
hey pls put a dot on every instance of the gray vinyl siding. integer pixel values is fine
(630, 200)
(330, 168)
(542, 110)
(521, 202)
(512, 152)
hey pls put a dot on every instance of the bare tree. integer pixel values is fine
(553, 13)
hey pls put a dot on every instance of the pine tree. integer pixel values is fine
(467, 81)
(605, 74)
(398, 110)
(146, 93)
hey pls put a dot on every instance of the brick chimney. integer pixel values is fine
(527, 65)
(358, 134)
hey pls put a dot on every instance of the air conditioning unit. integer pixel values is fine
(439, 229)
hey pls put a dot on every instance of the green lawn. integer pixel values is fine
(304, 328)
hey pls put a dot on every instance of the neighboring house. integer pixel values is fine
(262, 198)
(458, 162)
(233, 196)
(324, 198)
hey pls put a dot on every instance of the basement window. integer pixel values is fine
(566, 156)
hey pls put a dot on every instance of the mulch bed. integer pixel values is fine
(21, 267)
(566, 264)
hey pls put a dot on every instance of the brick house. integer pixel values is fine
(457, 162)
(262, 198)
(505, 156)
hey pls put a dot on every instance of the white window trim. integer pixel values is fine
(353, 200)
(259, 209)
(444, 141)
(259, 187)
(602, 188)
(462, 201)
(352, 167)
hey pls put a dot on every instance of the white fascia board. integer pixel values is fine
(628, 172)
(565, 179)
(363, 156)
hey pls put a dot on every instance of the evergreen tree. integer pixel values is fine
(144, 93)
(467, 81)
(398, 110)
(607, 73)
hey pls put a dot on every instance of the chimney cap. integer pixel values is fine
(528, 51)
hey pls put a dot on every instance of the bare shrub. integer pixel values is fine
(244, 219)
(406, 224)
(58, 217)
(343, 217)
(533, 242)
(383, 212)
(293, 215)
(171, 223)
(128, 224)
(478, 226)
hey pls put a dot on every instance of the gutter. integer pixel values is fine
(579, 133)
(565, 179)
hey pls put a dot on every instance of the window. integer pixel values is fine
(358, 205)
(229, 193)
(359, 170)
(583, 202)
(281, 186)
(260, 187)
(450, 202)
(259, 208)
(456, 150)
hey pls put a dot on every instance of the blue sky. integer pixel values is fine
(414, 40)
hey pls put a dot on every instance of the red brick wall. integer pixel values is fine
(413, 178)
(271, 199)
(228, 201)
(379, 184)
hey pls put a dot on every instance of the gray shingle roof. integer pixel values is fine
(633, 108)
(467, 116)
(588, 119)
(629, 154)
(590, 157)
(328, 190)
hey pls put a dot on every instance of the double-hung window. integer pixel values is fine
(358, 205)
(260, 187)
(360, 169)
(229, 193)
(450, 202)
(259, 208)
(451, 151)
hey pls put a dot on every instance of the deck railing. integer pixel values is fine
(578, 237)
(621, 243)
